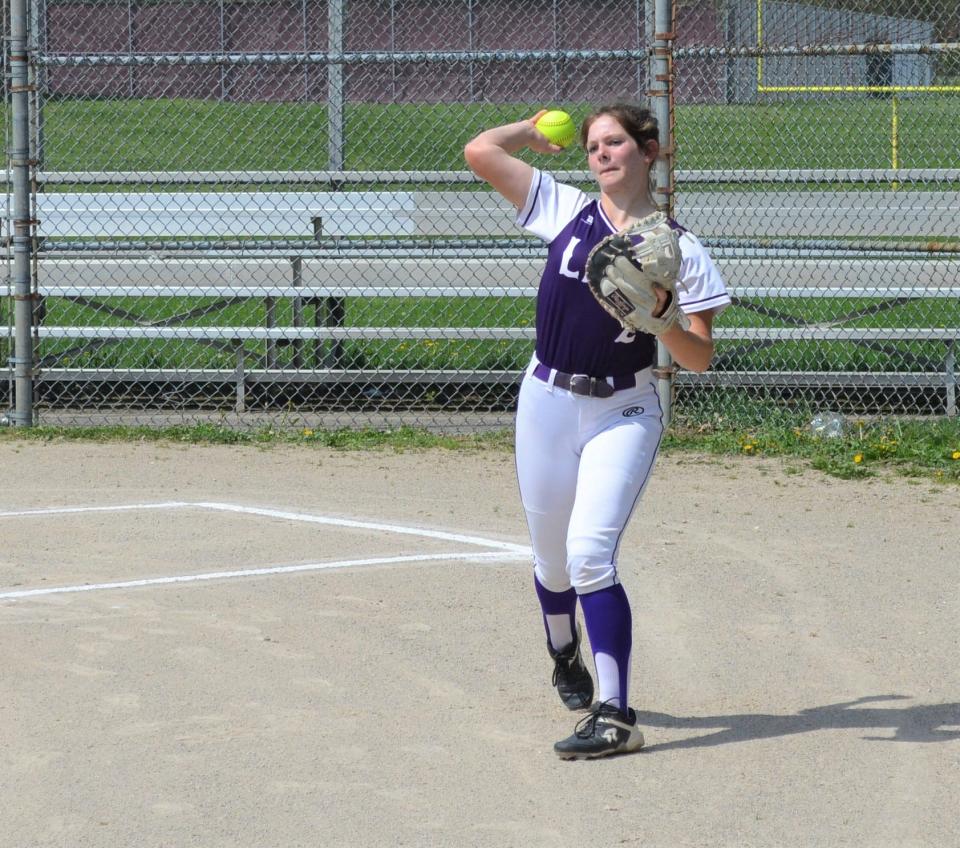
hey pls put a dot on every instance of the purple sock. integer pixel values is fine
(559, 614)
(610, 627)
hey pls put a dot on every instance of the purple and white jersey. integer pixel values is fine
(574, 333)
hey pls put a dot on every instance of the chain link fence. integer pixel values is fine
(815, 158)
(258, 212)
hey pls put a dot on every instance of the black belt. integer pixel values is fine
(582, 384)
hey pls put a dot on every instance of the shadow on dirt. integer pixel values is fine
(919, 723)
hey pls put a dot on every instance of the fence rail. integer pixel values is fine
(417, 178)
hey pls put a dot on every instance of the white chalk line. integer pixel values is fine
(281, 514)
(66, 510)
(256, 572)
(503, 551)
(367, 525)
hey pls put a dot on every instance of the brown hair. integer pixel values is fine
(638, 121)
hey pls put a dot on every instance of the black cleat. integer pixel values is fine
(604, 732)
(570, 676)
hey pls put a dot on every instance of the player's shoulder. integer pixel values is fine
(547, 183)
(550, 205)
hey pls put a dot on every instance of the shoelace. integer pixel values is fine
(587, 726)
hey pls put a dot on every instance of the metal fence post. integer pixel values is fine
(335, 91)
(222, 24)
(19, 163)
(950, 366)
(661, 96)
(38, 27)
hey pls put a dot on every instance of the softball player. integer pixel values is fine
(589, 421)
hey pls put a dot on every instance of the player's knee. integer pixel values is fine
(588, 574)
(553, 577)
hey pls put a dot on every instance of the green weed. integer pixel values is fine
(927, 448)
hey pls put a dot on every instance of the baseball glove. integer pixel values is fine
(626, 268)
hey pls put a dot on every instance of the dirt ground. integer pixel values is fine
(344, 649)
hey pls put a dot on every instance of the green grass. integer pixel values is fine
(907, 447)
(386, 312)
(839, 132)
(155, 135)
(399, 439)
(838, 356)
(922, 449)
(487, 312)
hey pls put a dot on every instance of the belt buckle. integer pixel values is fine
(583, 384)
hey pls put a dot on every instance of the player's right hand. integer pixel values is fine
(539, 142)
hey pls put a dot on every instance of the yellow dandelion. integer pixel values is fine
(955, 455)
(858, 458)
(308, 432)
(748, 448)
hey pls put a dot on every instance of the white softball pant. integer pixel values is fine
(582, 465)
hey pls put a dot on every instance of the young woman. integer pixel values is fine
(585, 448)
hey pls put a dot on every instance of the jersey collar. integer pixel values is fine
(604, 218)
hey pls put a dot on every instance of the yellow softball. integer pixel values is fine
(557, 126)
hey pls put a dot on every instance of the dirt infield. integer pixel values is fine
(224, 647)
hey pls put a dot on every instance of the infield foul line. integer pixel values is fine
(66, 510)
(366, 525)
(253, 572)
(502, 551)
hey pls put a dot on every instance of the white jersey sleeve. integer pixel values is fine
(550, 206)
(700, 287)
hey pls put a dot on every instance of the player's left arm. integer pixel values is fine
(692, 348)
